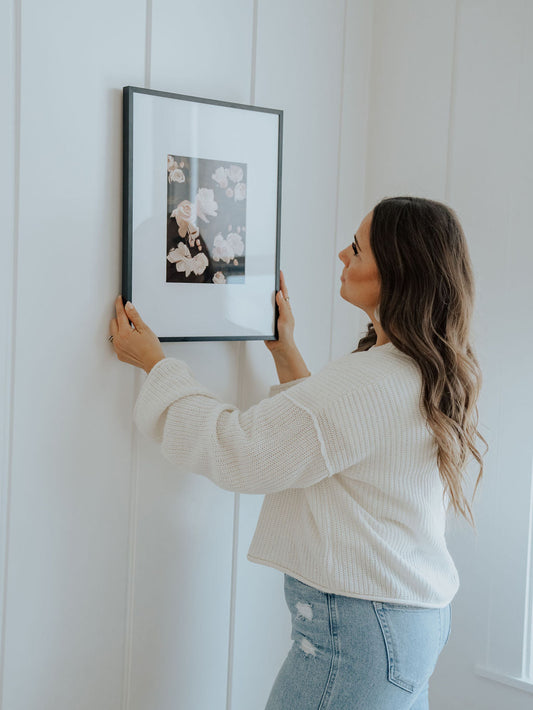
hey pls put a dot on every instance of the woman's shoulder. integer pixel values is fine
(380, 367)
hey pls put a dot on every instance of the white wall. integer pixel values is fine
(450, 119)
(123, 581)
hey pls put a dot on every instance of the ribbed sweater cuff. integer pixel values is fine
(168, 380)
(276, 389)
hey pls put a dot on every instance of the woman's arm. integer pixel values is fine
(289, 362)
(272, 446)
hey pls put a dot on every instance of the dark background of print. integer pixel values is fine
(198, 173)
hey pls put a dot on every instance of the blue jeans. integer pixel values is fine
(357, 654)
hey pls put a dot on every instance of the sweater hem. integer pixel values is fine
(352, 595)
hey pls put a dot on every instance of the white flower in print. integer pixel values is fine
(205, 203)
(194, 233)
(240, 191)
(181, 256)
(236, 244)
(184, 214)
(220, 177)
(176, 175)
(171, 163)
(222, 251)
(235, 173)
(219, 278)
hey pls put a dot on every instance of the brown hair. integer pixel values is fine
(426, 306)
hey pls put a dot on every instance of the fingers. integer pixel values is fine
(122, 318)
(134, 317)
(113, 328)
(282, 296)
(282, 284)
(282, 301)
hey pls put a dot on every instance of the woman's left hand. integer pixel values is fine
(139, 345)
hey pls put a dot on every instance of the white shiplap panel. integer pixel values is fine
(491, 186)
(68, 554)
(185, 523)
(299, 70)
(9, 90)
(184, 538)
(410, 94)
(203, 48)
(349, 322)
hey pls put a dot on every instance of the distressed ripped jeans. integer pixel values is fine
(357, 654)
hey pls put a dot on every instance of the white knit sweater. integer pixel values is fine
(354, 502)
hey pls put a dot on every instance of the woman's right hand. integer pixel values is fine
(289, 362)
(285, 339)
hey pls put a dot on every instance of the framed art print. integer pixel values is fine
(201, 215)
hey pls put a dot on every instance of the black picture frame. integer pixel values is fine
(226, 157)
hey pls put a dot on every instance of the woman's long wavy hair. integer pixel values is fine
(426, 306)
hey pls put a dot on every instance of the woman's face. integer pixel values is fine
(360, 277)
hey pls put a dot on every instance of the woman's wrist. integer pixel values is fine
(284, 351)
(290, 364)
(150, 362)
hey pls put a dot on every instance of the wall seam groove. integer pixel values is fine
(233, 594)
(527, 644)
(10, 369)
(148, 47)
(522, 655)
(451, 111)
(369, 98)
(240, 403)
(132, 558)
(135, 453)
(339, 151)
(254, 52)
(501, 426)
(527, 635)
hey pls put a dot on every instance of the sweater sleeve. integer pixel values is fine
(276, 389)
(272, 446)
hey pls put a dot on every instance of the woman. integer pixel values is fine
(359, 462)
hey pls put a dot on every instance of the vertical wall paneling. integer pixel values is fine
(133, 512)
(527, 646)
(334, 260)
(70, 463)
(148, 45)
(451, 109)
(9, 195)
(491, 186)
(299, 70)
(347, 322)
(132, 521)
(409, 106)
(121, 575)
(185, 533)
(423, 120)
(247, 385)
(450, 118)
(246, 398)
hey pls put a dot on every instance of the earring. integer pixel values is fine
(376, 313)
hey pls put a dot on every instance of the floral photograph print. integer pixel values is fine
(206, 221)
